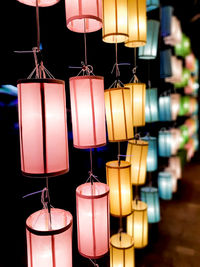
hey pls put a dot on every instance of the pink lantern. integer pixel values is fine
(175, 140)
(49, 242)
(43, 127)
(175, 105)
(175, 165)
(177, 68)
(189, 89)
(83, 15)
(41, 3)
(176, 33)
(93, 219)
(190, 62)
(88, 111)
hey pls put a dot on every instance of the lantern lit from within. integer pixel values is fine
(175, 105)
(166, 20)
(41, 3)
(43, 127)
(136, 154)
(164, 143)
(174, 179)
(175, 164)
(175, 140)
(165, 63)
(152, 4)
(118, 178)
(118, 114)
(165, 108)
(175, 35)
(93, 219)
(184, 105)
(190, 149)
(184, 48)
(49, 243)
(184, 79)
(184, 135)
(151, 107)
(190, 62)
(152, 156)
(165, 185)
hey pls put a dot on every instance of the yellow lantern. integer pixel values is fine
(119, 180)
(115, 21)
(137, 224)
(122, 252)
(138, 100)
(137, 23)
(118, 114)
(137, 155)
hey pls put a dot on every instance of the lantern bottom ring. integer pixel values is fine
(118, 216)
(44, 175)
(92, 257)
(123, 37)
(135, 43)
(88, 147)
(83, 17)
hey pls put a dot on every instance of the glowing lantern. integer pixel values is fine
(190, 149)
(152, 156)
(41, 3)
(165, 185)
(93, 219)
(182, 153)
(118, 114)
(165, 63)
(151, 107)
(43, 127)
(164, 143)
(137, 155)
(174, 179)
(184, 48)
(189, 88)
(175, 35)
(165, 108)
(175, 105)
(115, 21)
(138, 100)
(196, 142)
(49, 244)
(137, 224)
(83, 15)
(184, 135)
(119, 180)
(175, 140)
(175, 164)
(190, 62)
(184, 105)
(149, 51)
(184, 80)
(122, 250)
(152, 4)
(166, 20)
(177, 69)
(150, 196)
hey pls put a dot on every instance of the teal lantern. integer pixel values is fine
(184, 105)
(152, 155)
(164, 143)
(184, 135)
(149, 51)
(150, 196)
(196, 142)
(165, 63)
(165, 185)
(165, 108)
(184, 48)
(151, 106)
(186, 74)
(152, 4)
(166, 20)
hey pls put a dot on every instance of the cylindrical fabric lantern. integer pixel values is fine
(115, 21)
(41, 3)
(152, 4)
(149, 51)
(165, 185)
(177, 70)
(175, 105)
(164, 143)
(165, 108)
(174, 179)
(137, 23)
(49, 241)
(43, 127)
(119, 180)
(175, 36)
(175, 140)
(152, 156)
(88, 111)
(83, 15)
(118, 114)
(151, 107)
(184, 135)
(184, 105)
(175, 164)
(166, 19)
(137, 155)
(184, 48)
(190, 62)
(184, 79)
(93, 219)
(138, 102)
(137, 224)
(165, 63)
(122, 251)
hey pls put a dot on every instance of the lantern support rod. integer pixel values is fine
(118, 156)
(150, 179)
(47, 201)
(94, 262)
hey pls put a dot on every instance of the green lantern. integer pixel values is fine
(184, 79)
(184, 48)
(184, 135)
(184, 105)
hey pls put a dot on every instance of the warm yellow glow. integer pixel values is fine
(137, 224)
(119, 181)
(118, 114)
(137, 155)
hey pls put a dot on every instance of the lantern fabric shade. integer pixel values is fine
(49, 245)
(165, 63)
(119, 180)
(175, 105)
(166, 19)
(164, 143)
(88, 111)
(118, 114)
(165, 108)
(84, 16)
(43, 127)
(152, 156)
(122, 251)
(41, 3)
(137, 224)
(184, 105)
(93, 219)
(165, 185)
(175, 165)
(177, 69)
(175, 35)
(151, 107)
(152, 4)
(175, 140)
(184, 48)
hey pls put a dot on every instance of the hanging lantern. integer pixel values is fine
(184, 48)
(152, 4)
(150, 196)
(165, 185)
(118, 114)
(84, 15)
(165, 63)
(93, 219)
(174, 179)
(138, 100)
(41, 3)
(175, 105)
(175, 140)
(152, 156)
(184, 105)
(49, 244)
(196, 142)
(115, 21)
(166, 20)
(151, 107)
(177, 69)
(184, 79)
(122, 251)
(190, 149)
(175, 35)
(149, 51)
(137, 155)
(137, 224)
(88, 111)
(175, 165)
(43, 127)
(119, 180)
(164, 143)
(190, 62)
(189, 88)
(184, 135)
(165, 108)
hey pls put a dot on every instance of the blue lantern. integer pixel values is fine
(166, 20)
(152, 155)
(152, 4)
(150, 196)
(151, 106)
(164, 143)
(165, 63)
(165, 108)
(149, 51)
(165, 185)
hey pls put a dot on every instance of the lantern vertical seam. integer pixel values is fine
(21, 128)
(124, 258)
(108, 221)
(80, 7)
(53, 251)
(97, 4)
(132, 100)
(120, 196)
(143, 104)
(142, 241)
(138, 22)
(138, 178)
(93, 115)
(131, 191)
(125, 122)
(78, 225)
(65, 121)
(43, 111)
(93, 223)
(30, 243)
(76, 112)
(111, 115)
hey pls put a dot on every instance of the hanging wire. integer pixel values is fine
(94, 262)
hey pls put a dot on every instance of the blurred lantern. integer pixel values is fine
(151, 107)
(118, 114)
(177, 69)
(166, 20)
(190, 149)
(184, 105)
(165, 108)
(164, 143)
(84, 15)
(122, 250)
(165, 63)
(175, 35)
(137, 28)
(190, 123)
(195, 73)
(150, 196)
(175, 105)
(119, 180)
(190, 62)
(184, 135)
(93, 219)
(49, 241)
(138, 100)
(193, 106)
(149, 51)
(175, 140)
(88, 111)
(183, 155)
(184, 80)
(152, 4)
(137, 155)
(184, 48)
(175, 165)
(196, 142)
(189, 89)
(41, 3)
(137, 224)
(43, 127)
(152, 156)
(115, 21)
(165, 185)
(174, 179)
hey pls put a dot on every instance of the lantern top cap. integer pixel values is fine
(149, 189)
(117, 88)
(115, 164)
(139, 205)
(121, 241)
(139, 142)
(40, 81)
(92, 190)
(164, 174)
(85, 77)
(133, 84)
